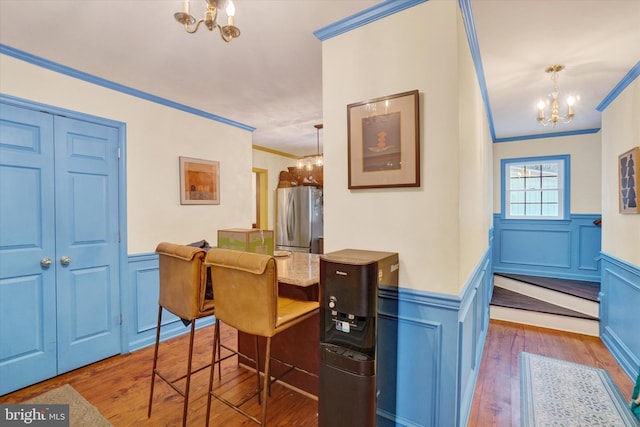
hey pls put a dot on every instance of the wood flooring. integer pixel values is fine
(496, 401)
(119, 386)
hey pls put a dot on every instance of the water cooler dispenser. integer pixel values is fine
(349, 282)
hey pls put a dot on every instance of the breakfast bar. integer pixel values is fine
(298, 277)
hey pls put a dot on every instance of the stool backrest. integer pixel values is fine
(182, 279)
(246, 290)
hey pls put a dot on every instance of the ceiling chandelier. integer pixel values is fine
(555, 117)
(227, 32)
(308, 162)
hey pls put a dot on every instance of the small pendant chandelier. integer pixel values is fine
(555, 117)
(308, 162)
(227, 32)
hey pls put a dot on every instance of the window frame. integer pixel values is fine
(564, 186)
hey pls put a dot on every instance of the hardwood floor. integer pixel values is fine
(496, 401)
(119, 386)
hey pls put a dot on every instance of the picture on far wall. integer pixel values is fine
(384, 142)
(628, 178)
(199, 182)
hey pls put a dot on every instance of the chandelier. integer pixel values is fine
(308, 162)
(227, 32)
(555, 116)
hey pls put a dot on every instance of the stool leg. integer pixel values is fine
(258, 370)
(216, 347)
(155, 361)
(219, 345)
(186, 387)
(265, 390)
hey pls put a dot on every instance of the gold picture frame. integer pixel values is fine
(199, 181)
(628, 181)
(384, 142)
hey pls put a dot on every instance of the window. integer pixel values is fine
(535, 188)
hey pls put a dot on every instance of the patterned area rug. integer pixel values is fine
(558, 393)
(81, 412)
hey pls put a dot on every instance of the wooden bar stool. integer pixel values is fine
(183, 280)
(246, 286)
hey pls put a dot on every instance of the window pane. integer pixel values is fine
(516, 171)
(534, 197)
(516, 183)
(517, 210)
(533, 210)
(517, 197)
(533, 183)
(550, 197)
(550, 169)
(550, 210)
(550, 182)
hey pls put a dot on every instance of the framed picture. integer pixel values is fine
(628, 178)
(384, 142)
(199, 182)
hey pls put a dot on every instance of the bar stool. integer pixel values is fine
(246, 286)
(183, 277)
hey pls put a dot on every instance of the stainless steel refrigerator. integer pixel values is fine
(299, 226)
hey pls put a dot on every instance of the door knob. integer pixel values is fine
(65, 260)
(45, 262)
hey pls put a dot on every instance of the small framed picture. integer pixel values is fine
(628, 181)
(384, 142)
(199, 182)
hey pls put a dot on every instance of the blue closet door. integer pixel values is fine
(59, 245)
(27, 244)
(87, 242)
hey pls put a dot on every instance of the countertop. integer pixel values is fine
(299, 269)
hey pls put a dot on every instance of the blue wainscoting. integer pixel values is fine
(429, 352)
(140, 305)
(566, 249)
(619, 303)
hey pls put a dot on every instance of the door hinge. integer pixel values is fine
(120, 318)
(119, 153)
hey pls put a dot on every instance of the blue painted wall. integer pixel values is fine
(429, 352)
(568, 249)
(619, 303)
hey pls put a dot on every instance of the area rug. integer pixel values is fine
(81, 412)
(559, 393)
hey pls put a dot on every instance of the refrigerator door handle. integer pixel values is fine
(291, 218)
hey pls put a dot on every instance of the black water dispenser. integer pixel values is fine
(348, 315)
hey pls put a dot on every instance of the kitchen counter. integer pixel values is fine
(299, 269)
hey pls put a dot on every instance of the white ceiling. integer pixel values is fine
(270, 77)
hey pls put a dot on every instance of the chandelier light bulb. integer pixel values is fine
(231, 12)
(571, 101)
(541, 105)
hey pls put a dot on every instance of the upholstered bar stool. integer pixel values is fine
(246, 286)
(183, 280)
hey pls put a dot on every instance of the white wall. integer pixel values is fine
(476, 164)
(156, 137)
(620, 132)
(413, 49)
(585, 152)
(273, 163)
